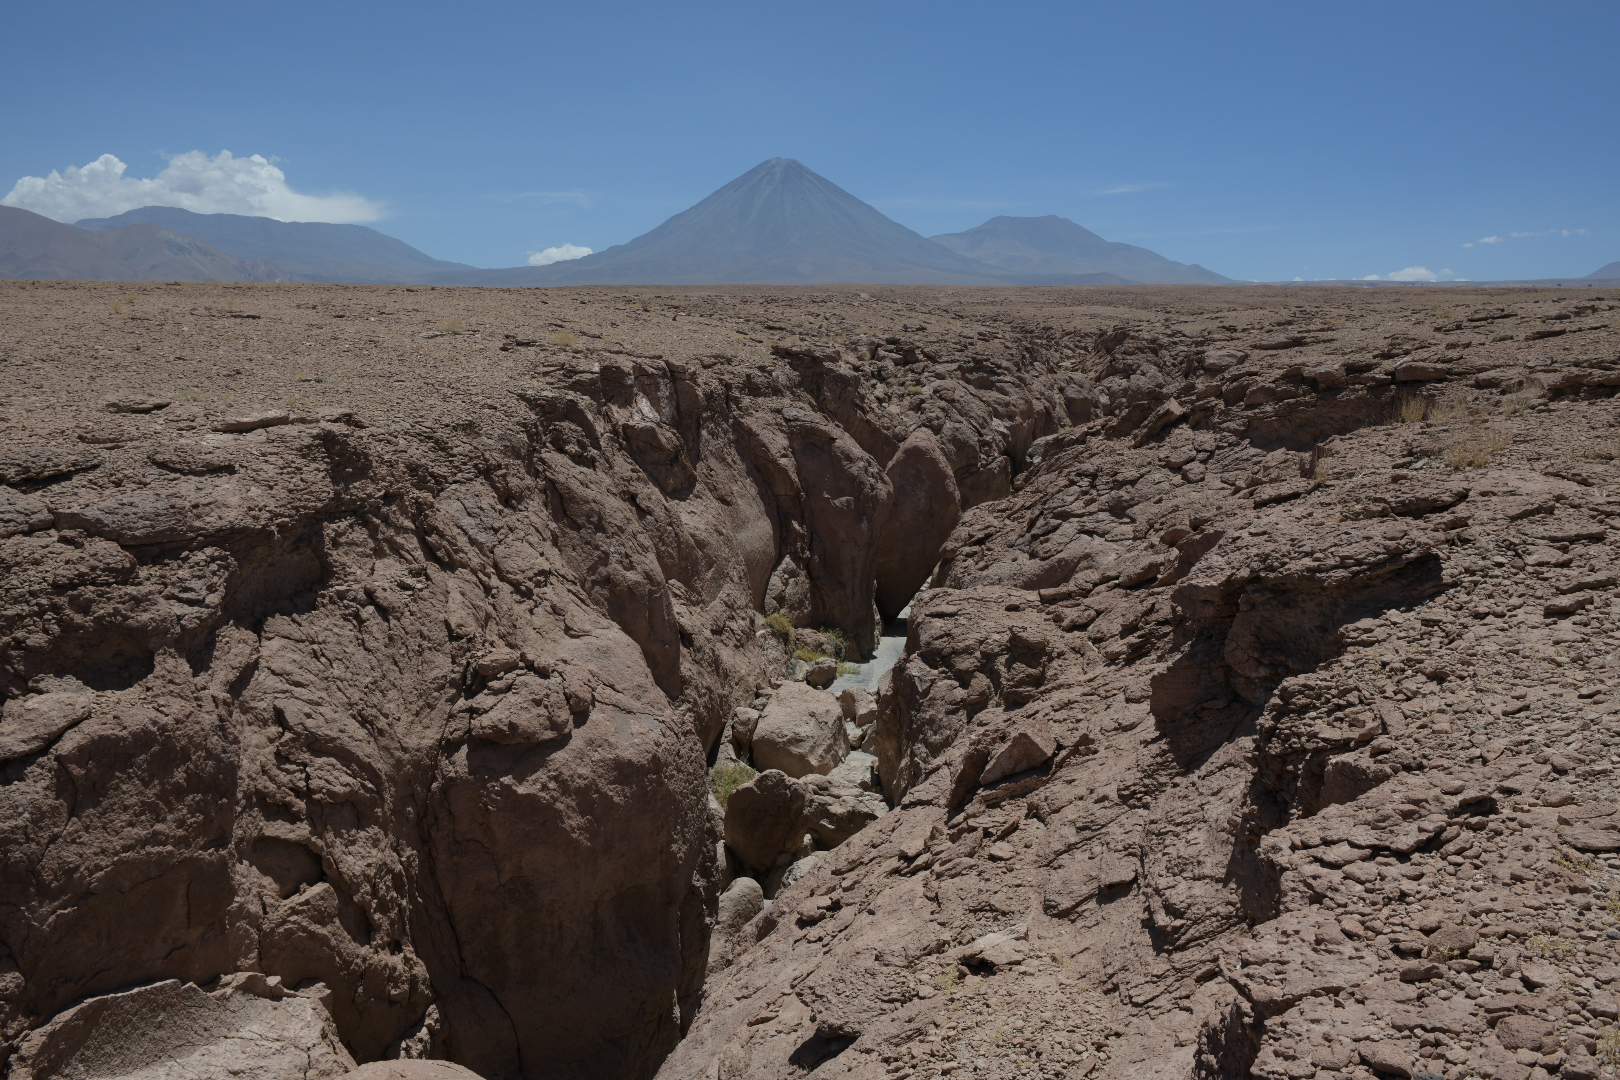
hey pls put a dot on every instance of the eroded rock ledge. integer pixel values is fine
(409, 694)
(1205, 751)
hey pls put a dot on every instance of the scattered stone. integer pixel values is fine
(136, 404)
(1031, 744)
(822, 673)
(253, 422)
(801, 731)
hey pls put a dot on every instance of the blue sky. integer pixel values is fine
(1265, 141)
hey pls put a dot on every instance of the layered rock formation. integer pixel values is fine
(1255, 719)
(1266, 730)
(312, 678)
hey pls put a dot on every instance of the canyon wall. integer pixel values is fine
(418, 710)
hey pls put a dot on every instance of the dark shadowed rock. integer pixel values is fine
(763, 818)
(925, 510)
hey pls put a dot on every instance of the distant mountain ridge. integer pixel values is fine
(37, 248)
(777, 224)
(1051, 245)
(1606, 273)
(310, 250)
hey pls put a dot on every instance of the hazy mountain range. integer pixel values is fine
(35, 247)
(782, 224)
(308, 250)
(779, 224)
(1053, 247)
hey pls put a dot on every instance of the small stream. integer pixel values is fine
(891, 643)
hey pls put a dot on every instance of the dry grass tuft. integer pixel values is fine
(1472, 449)
(565, 337)
(1411, 408)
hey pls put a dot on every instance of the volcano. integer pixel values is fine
(780, 224)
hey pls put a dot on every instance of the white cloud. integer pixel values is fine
(1490, 239)
(192, 181)
(561, 253)
(1551, 232)
(1372, 277)
(1415, 273)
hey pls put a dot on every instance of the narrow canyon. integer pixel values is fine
(486, 676)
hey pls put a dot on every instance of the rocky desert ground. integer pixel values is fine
(419, 675)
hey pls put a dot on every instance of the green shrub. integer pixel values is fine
(724, 779)
(780, 624)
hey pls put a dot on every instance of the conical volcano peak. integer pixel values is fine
(778, 223)
(782, 223)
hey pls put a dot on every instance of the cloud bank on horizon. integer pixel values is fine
(560, 253)
(223, 184)
(1412, 273)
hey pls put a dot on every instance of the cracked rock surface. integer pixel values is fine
(1255, 716)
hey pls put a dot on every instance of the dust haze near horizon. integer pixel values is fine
(1264, 142)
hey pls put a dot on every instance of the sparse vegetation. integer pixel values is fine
(1448, 407)
(849, 669)
(724, 779)
(780, 624)
(452, 326)
(1549, 947)
(565, 337)
(1411, 408)
(1608, 1048)
(1473, 449)
(1522, 397)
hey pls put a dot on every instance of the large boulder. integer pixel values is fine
(926, 507)
(835, 811)
(742, 900)
(859, 770)
(176, 1031)
(822, 673)
(764, 818)
(859, 705)
(800, 732)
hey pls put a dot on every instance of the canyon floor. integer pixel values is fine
(372, 658)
